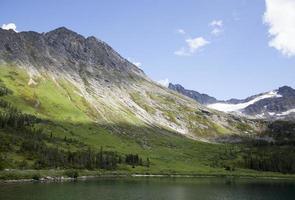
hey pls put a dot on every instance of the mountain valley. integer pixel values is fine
(73, 102)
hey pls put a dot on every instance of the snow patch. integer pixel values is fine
(226, 107)
(260, 116)
(271, 113)
(287, 112)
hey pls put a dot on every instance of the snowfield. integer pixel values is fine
(226, 107)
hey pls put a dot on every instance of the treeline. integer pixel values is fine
(281, 159)
(15, 119)
(48, 157)
(274, 158)
(276, 155)
(47, 151)
(36, 148)
(11, 116)
(134, 159)
(226, 158)
(19, 124)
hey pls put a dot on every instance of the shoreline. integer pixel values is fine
(60, 179)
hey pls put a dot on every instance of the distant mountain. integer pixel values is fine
(201, 98)
(273, 105)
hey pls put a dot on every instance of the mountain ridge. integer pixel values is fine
(272, 105)
(46, 48)
(201, 98)
(114, 89)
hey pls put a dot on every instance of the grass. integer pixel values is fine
(72, 117)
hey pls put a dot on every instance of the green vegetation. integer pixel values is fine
(49, 129)
(72, 173)
(32, 141)
(265, 158)
(138, 99)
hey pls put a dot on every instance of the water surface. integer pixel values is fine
(152, 189)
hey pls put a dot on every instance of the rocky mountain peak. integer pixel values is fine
(63, 50)
(201, 98)
(62, 30)
(286, 91)
(273, 105)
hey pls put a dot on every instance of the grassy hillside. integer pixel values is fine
(65, 114)
(57, 122)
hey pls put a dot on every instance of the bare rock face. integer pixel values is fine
(63, 50)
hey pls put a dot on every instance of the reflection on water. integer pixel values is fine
(152, 188)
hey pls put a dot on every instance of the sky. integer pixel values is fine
(225, 48)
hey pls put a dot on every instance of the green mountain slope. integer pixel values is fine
(65, 114)
(73, 94)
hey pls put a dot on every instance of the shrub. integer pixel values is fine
(72, 173)
(36, 177)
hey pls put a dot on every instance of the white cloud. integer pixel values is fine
(136, 63)
(10, 26)
(216, 31)
(164, 82)
(216, 23)
(181, 31)
(217, 26)
(196, 43)
(193, 44)
(280, 17)
(182, 52)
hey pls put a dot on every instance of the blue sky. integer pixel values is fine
(174, 39)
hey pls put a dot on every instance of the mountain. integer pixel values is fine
(201, 98)
(109, 85)
(64, 96)
(273, 105)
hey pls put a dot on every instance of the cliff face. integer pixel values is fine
(62, 50)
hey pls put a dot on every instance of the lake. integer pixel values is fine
(152, 189)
